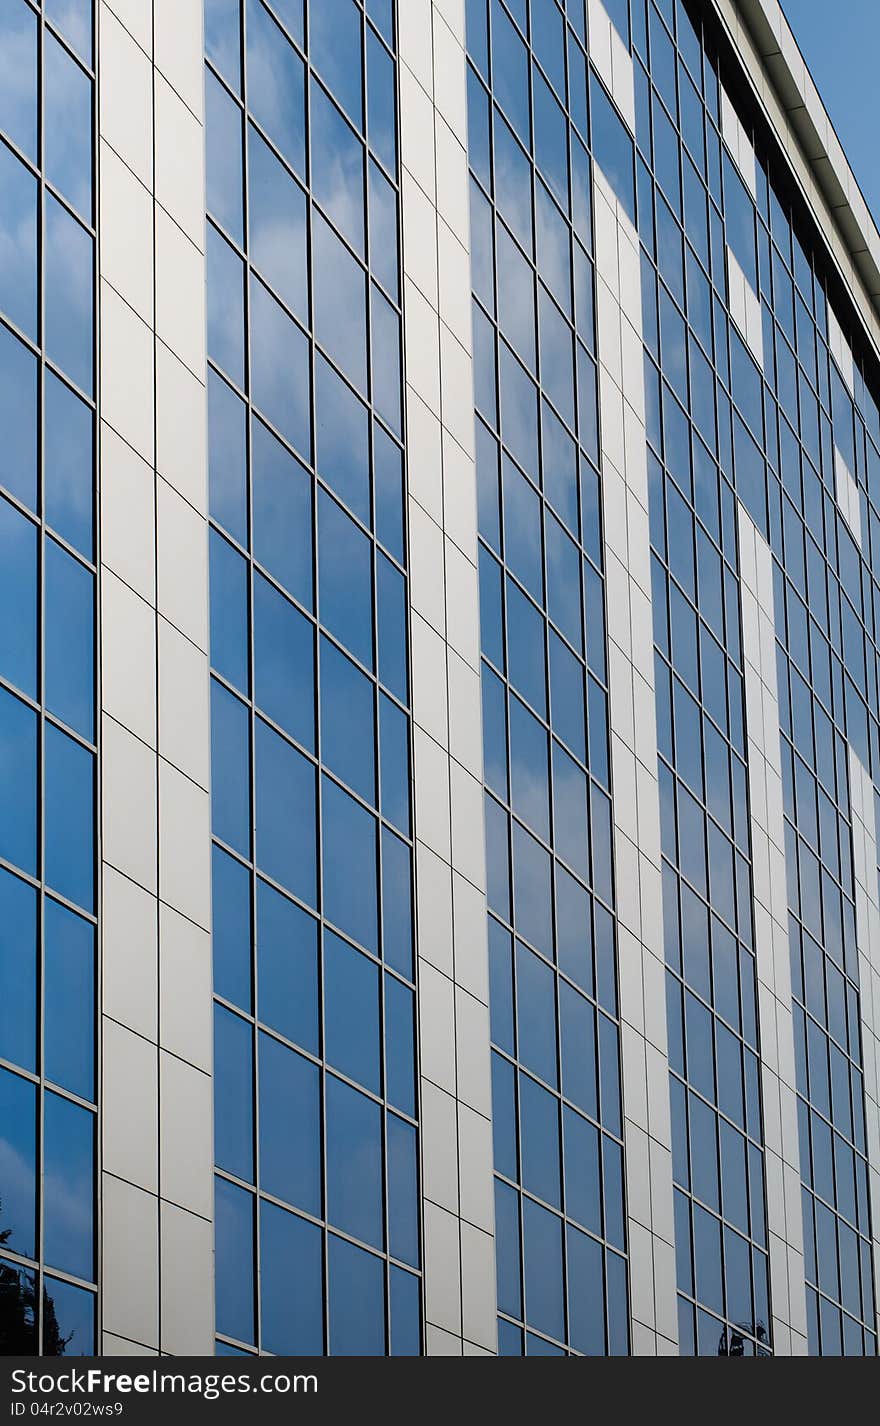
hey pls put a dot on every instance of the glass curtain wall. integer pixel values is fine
(559, 1192)
(316, 1143)
(48, 735)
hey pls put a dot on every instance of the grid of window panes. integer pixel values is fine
(772, 437)
(825, 592)
(47, 680)
(559, 1192)
(317, 1201)
(684, 187)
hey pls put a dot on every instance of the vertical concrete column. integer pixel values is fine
(156, 1172)
(452, 951)
(864, 830)
(785, 1230)
(636, 798)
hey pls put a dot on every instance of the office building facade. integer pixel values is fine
(439, 683)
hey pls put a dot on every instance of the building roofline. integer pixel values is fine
(782, 82)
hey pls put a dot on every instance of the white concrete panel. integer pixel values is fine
(128, 527)
(126, 219)
(186, 1136)
(124, 97)
(182, 429)
(130, 1298)
(182, 570)
(183, 704)
(453, 962)
(128, 658)
(180, 160)
(129, 780)
(636, 796)
(130, 1109)
(187, 1289)
(184, 845)
(185, 989)
(784, 1222)
(129, 946)
(126, 380)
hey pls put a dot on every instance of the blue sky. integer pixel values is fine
(840, 40)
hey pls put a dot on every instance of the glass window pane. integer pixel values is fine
(386, 360)
(230, 653)
(68, 465)
(349, 857)
(230, 769)
(290, 1126)
(394, 753)
(280, 379)
(223, 38)
(397, 945)
(69, 640)
(381, 95)
(291, 1284)
(539, 1140)
(287, 968)
(227, 458)
(354, 1162)
(335, 50)
(542, 1254)
(18, 243)
(231, 938)
(18, 591)
(507, 1249)
(388, 472)
(403, 1191)
(340, 303)
(400, 1067)
(351, 1012)
(612, 146)
(343, 440)
(18, 777)
(337, 167)
(585, 1294)
(282, 496)
(18, 88)
(277, 225)
(384, 243)
(393, 641)
(68, 1186)
(276, 86)
(18, 1156)
(285, 814)
(18, 416)
(69, 294)
(18, 1307)
(345, 580)
(69, 818)
(357, 1301)
(18, 973)
(284, 662)
(68, 1320)
(348, 724)
(234, 1260)
(73, 18)
(67, 126)
(69, 1000)
(406, 1323)
(225, 307)
(224, 172)
(233, 1094)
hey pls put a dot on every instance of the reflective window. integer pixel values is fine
(47, 678)
(553, 996)
(312, 862)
